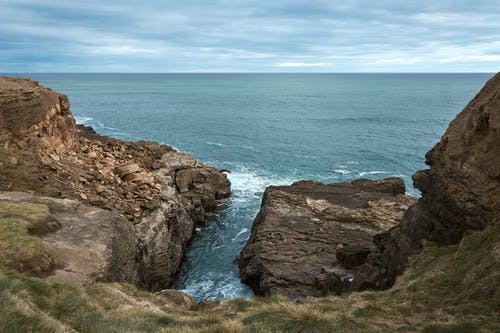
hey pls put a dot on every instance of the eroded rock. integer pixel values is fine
(88, 244)
(298, 240)
(460, 191)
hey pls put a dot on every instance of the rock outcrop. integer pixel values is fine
(87, 244)
(35, 117)
(460, 191)
(308, 237)
(163, 194)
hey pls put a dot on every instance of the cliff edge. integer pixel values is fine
(160, 193)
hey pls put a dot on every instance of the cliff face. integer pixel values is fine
(160, 192)
(36, 117)
(460, 191)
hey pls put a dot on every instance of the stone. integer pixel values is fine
(13, 160)
(176, 298)
(128, 169)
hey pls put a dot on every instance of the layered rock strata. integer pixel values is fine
(460, 194)
(460, 191)
(160, 192)
(308, 237)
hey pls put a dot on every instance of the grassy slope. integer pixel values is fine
(446, 289)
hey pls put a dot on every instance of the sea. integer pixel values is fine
(270, 129)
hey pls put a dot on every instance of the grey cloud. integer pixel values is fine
(249, 36)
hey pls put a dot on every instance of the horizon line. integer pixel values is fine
(2, 73)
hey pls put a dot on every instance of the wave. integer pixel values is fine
(364, 173)
(215, 144)
(82, 120)
(342, 171)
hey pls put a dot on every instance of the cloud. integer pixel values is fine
(303, 64)
(473, 58)
(398, 61)
(249, 36)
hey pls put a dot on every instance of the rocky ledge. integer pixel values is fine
(311, 239)
(309, 236)
(161, 194)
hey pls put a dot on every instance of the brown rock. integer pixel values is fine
(13, 160)
(135, 178)
(302, 231)
(89, 244)
(176, 298)
(139, 178)
(460, 191)
(35, 117)
(128, 169)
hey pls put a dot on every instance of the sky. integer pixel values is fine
(249, 36)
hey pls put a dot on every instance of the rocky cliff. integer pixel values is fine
(308, 237)
(34, 116)
(161, 193)
(460, 193)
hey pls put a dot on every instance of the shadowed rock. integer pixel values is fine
(460, 191)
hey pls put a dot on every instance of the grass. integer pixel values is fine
(445, 289)
(19, 249)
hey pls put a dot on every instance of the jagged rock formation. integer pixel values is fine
(162, 193)
(460, 191)
(306, 232)
(460, 194)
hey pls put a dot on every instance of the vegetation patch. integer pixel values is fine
(19, 248)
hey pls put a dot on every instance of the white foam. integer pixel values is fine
(83, 120)
(240, 233)
(362, 174)
(342, 171)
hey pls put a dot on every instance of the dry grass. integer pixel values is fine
(445, 289)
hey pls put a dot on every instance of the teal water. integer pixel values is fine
(270, 129)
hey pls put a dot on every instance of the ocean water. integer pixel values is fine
(270, 129)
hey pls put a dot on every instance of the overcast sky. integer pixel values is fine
(249, 36)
